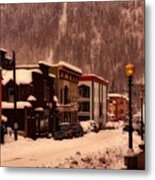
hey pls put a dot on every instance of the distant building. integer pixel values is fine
(34, 96)
(117, 106)
(137, 94)
(66, 89)
(93, 92)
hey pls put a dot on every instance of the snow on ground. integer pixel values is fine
(94, 150)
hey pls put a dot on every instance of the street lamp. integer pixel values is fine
(129, 70)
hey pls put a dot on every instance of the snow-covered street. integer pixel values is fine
(94, 150)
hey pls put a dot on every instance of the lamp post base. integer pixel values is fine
(130, 159)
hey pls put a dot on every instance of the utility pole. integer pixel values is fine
(15, 97)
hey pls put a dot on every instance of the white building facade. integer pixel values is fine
(93, 91)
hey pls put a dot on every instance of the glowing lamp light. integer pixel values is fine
(129, 70)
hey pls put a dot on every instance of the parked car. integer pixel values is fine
(77, 130)
(65, 132)
(136, 127)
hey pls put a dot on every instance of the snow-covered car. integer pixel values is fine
(136, 127)
(94, 127)
(77, 130)
(65, 132)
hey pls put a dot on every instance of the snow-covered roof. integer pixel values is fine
(70, 66)
(45, 63)
(37, 71)
(4, 50)
(27, 66)
(31, 98)
(117, 95)
(22, 76)
(20, 105)
(90, 76)
(4, 118)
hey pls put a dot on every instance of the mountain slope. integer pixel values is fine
(99, 37)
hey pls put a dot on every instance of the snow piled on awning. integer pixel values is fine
(31, 98)
(4, 118)
(20, 105)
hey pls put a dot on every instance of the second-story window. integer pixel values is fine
(84, 91)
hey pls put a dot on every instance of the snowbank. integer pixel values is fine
(114, 125)
(107, 159)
